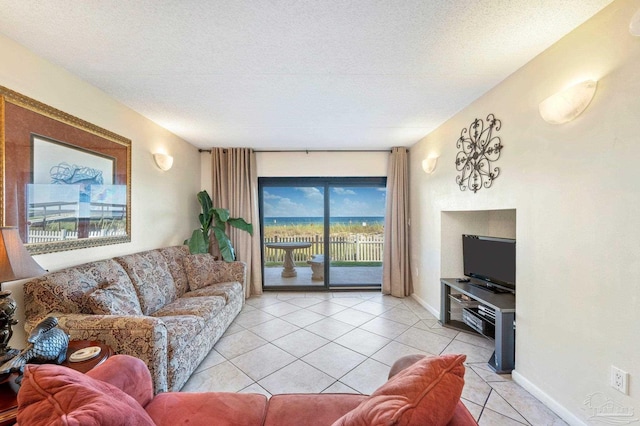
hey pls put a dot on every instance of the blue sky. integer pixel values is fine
(309, 201)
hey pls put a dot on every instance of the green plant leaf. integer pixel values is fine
(205, 200)
(240, 223)
(197, 243)
(224, 244)
(206, 216)
(221, 214)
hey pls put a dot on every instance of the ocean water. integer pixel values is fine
(355, 220)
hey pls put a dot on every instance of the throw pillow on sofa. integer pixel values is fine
(426, 393)
(50, 394)
(113, 298)
(201, 270)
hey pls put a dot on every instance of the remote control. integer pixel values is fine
(463, 280)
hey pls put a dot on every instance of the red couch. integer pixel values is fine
(422, 391)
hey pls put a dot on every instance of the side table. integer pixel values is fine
(84, 366)
(9, 390)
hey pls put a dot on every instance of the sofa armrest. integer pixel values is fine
(127, 373)
(139, 336)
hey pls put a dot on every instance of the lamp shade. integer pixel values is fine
(15, 262)
(429, 164)
(163, 161)
(566, 105)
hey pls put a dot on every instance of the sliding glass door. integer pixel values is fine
(292, 218)
(321, 233)
(356, 235)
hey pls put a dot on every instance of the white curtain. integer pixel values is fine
(396, 268)
(235, 187)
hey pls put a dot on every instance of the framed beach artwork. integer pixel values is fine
(66, 182)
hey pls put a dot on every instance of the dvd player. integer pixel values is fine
(481, 324)
(472, 321)
(487, 311)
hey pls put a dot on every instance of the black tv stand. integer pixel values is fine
(501, 329)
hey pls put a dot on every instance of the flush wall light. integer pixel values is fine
(429, 164)
(163, 161)
(566, 105)
(634, 26)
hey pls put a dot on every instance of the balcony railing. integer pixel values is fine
(353, 248)
(39, 236)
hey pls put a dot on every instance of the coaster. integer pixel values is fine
(85, 354)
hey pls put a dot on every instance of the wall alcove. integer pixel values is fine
(495, 223)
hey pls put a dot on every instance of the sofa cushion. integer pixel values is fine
(211, 408)
(425, 393)
(202, 270)
(151, 278)
(310, 409)
(64, 290)
(174, 257)
(51, 394)
(205, 308)
(230, 291)
(113, 298)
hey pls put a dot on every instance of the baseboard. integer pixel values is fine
(425, 305)
(543, 397)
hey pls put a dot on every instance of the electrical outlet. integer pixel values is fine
(620, 380)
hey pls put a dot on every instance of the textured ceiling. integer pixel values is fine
(286, 74)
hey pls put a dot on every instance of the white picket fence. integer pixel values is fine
(353, 248)
(39, 236)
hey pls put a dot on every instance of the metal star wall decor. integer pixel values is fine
(479, 148)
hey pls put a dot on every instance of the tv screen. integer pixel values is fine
(490, 259)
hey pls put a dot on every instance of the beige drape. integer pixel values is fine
(396, 268)
(235, 187)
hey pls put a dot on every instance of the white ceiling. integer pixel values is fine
(293, 74)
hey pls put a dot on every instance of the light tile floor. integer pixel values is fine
(345, 342)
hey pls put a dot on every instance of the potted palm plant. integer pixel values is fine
(215, 219)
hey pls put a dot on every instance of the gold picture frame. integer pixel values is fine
(83, 160)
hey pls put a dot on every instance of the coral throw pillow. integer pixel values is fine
(201, 270)
(55, 395)
(113, 298)
(425, 393)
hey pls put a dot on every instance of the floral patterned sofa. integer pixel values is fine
(164, 306)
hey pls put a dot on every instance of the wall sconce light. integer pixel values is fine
(566, 105)
(163, 161)
(429, 164)
(634, 26)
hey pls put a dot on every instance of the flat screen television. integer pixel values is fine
(491, 260)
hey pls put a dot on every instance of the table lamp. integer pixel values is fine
(15, 264)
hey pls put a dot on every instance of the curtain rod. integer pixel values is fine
(315, 150)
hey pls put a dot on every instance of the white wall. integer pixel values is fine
(576, 193)
(164, 206)
(321, 164)
(311, 164)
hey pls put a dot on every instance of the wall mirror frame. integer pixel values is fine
(65, 183)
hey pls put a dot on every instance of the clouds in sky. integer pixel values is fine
(309, 201)
(342, 191)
